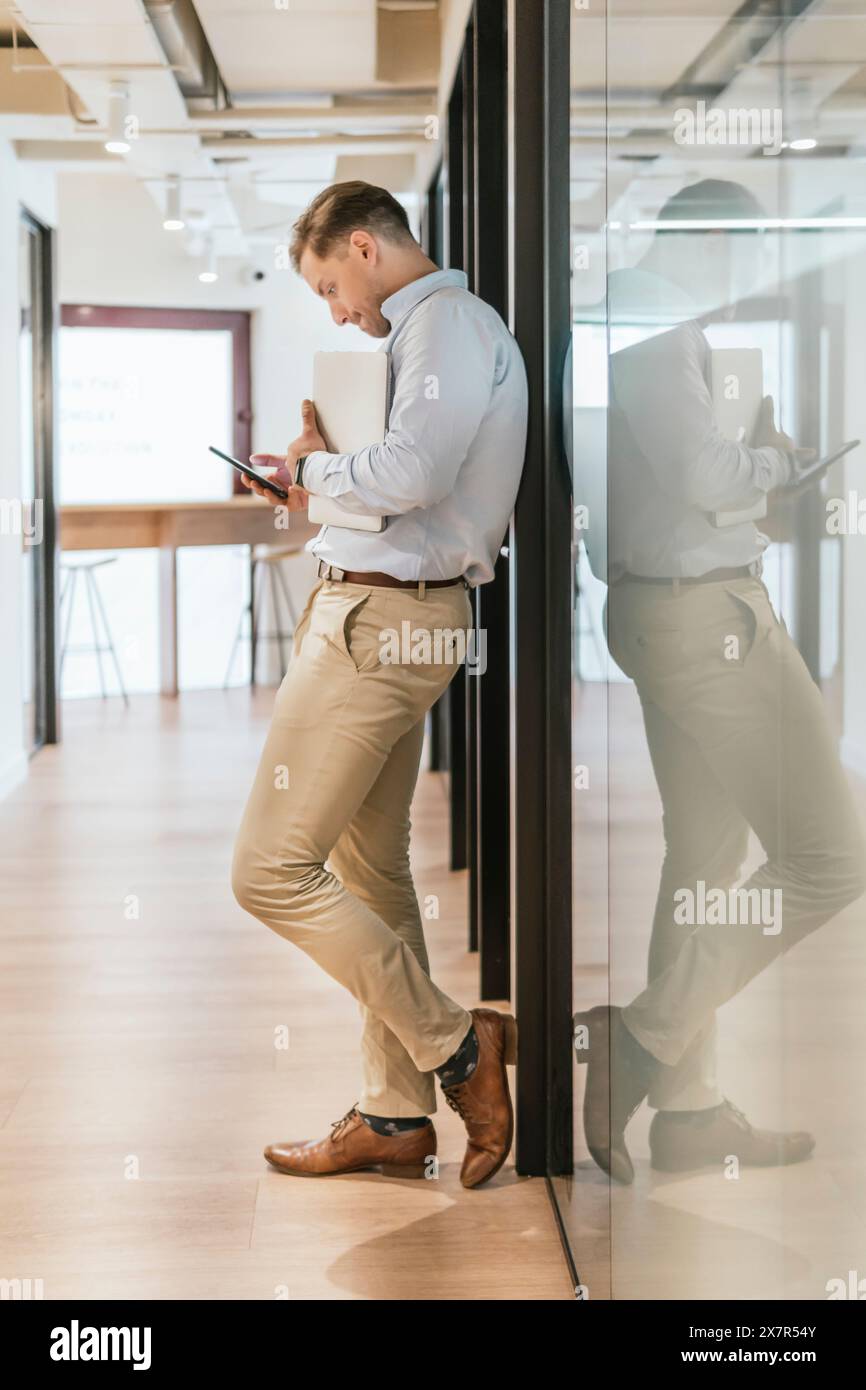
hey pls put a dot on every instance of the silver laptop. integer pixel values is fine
(350, 393)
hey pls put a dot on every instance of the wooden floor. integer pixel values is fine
(139, 1077)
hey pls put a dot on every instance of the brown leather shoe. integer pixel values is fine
(680, 1145)
(483, 1101)
(351, 1146)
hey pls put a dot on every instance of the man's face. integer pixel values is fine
(349, 280)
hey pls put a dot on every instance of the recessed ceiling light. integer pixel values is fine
(210, 273)
(173, 222)
(805, 144)
(118, 111)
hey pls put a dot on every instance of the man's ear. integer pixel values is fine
(364, 243)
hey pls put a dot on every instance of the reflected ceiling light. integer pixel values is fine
(118, 111)
(807, 143)
(210, 273)
(748, 224)
(173, 222)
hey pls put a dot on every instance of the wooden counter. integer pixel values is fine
(166, 526)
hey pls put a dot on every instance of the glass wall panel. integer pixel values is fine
(718, 219)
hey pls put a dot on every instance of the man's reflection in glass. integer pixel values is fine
(736, 726)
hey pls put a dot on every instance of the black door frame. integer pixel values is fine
(471, 722)
(487, 705)
(455, 257)
(531, 185)
(541, 589)
(43, 326)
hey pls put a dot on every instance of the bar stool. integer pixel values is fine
(266, 560)
(70, 572)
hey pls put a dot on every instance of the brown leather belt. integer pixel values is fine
(712, 577)
(386, 581)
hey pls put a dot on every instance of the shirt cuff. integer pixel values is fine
(788, 469)
(778, 467)
(315, 471)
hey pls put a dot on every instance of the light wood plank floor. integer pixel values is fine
(139, 1078)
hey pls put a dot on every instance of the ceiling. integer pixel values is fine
(633, 70)
(255, 106)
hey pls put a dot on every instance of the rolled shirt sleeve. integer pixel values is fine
(444, 368)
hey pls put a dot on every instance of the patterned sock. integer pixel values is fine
(463, 1062)
(383, 1125)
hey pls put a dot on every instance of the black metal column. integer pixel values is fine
(540, 560)
(454, 720)
(488, 692)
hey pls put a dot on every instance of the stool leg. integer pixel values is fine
(238, 631)
(278, 632)
(67, 580)
(68, 588)
(88, 589)
(287, 595)
(110, 641)
(255, 570)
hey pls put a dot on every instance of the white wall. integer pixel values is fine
(113, 250)
(32, 187)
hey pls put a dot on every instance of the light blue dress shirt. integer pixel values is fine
(670, 466)
(447, 473)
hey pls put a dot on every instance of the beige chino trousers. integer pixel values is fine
(738, 737)
(322, 853)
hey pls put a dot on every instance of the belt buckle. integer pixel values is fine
(328, 571)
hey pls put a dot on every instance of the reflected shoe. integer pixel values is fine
(711, 1137)
(353, 1146)
(483, 1101)
(619, 1072)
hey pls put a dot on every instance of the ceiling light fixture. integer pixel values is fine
(210, 272)
(807, 143)
(173, 222)
(750, 224)
(118, 112)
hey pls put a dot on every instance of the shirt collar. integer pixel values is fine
(397, 305)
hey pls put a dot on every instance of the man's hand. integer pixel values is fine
(307, 442)
(297, 499)
(766, 433)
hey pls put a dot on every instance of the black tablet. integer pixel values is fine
(250, 472)
(814, 470)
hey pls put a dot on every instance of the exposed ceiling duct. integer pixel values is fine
(183, 42)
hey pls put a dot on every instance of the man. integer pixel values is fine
(736, 727)
(348, 725)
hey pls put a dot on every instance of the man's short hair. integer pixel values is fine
(345, 208)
